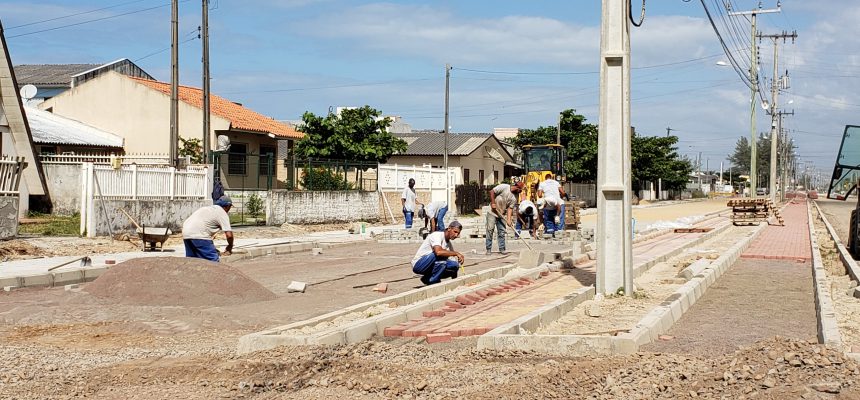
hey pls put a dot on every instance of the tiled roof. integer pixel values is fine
(240, 117)
(429, 143)
(50, 74)
(49, 128)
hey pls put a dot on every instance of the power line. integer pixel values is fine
(92, 20)
(72, 15)
(330, 87)
(482, 71)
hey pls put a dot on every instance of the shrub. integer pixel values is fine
(254, 205)
(320, 178)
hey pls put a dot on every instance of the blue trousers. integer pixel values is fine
(495, 224)
(433, 269)
(440, 218)
(407, 215)
(201, 248)
(530, 221)
(549, 220)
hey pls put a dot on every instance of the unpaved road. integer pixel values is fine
(58, 344)
(838, 213)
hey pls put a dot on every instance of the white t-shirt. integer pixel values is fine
(410, 197)
(434, 207)
(505, 199)
(550, 190)
(524, 205)
(206, 222)
(433, 239)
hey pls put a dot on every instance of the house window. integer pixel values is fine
(481, 177)
(265, 151)
(495, 177)
(466, 176)
(237, 159)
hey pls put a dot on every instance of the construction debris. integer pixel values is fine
(296, 286)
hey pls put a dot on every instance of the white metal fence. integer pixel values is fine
(131, 182)
(394, 177)
(142, 159)
(10, 175)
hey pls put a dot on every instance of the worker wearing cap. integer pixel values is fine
(503, 200)
(433, 261)
(199, 229)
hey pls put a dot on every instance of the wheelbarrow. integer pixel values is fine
(153, 236)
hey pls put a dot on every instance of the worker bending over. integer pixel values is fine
(199, 229)
(503, 200)
(527, 217)
(551, 191)
(434, 213)
(433, 259)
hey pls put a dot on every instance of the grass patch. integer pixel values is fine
(52, 225)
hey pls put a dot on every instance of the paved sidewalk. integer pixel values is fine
(767, 292)
(789, 242)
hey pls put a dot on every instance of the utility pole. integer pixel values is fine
(207, 135)
(445, 156)
(174, 82)
(786, 151)
(669, 130)
(753, 91)
(775, 85)
(614, 212)
(558, 133)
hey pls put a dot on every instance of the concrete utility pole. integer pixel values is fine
(774, 95)
(445, 156)
(753, 92)
(614, 225)
(558, 133)
(174, 82)
(207, 135)
(669, 130)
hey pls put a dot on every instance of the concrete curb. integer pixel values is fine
(825, 310)
(847, 260)
(513, 336)
(411, 305)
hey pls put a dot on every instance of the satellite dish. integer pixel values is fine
(223, 143)
(28, 92)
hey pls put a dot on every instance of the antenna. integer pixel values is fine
(28, 92)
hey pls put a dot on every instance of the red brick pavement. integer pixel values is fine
(788, 242)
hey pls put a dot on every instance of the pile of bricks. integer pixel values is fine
(399, 234)
(439, 331)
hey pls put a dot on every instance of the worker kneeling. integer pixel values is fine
(202, 225)
(433, 259)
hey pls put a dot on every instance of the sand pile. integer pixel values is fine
(174, 281)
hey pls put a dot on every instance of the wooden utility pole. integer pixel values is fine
(614, 211)
(207, 136)
(753, 91)
(174, 83)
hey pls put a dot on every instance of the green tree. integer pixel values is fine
(656, 157)
(740, 158)
(191, 148)
(357, 135)
(579, 139)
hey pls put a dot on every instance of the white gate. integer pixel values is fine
(394, 177)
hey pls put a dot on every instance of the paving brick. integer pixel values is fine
(394, 331)
(453, 304)
(473, 297)
(464, 300)
(381, 288)
(438, 337)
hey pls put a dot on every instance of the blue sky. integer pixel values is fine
(516, 63)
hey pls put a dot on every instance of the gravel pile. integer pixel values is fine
(177, 281)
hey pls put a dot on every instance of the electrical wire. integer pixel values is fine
(745, 79)
(92, 20)
(641, 16)
(72, 15)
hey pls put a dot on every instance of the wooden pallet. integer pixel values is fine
(692, 230)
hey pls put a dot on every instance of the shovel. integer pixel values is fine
(86, 261)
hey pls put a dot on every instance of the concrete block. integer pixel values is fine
(9, 288)
(360, 332)
(40, 280)
(90, 274)
(316, 251)
(694, 269)
(530, 258)
(381, 287)
(68, 277)
(9, 282)
(71, 287)
(296, 286)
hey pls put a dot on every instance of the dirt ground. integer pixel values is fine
(646, 216)
(57, 344)
(838, 213)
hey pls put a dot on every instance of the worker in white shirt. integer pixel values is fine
(434, 213)
(408, 199)
(551, 191)
(436, 258)
(527, 217)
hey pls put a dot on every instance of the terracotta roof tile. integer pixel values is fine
(240, 117)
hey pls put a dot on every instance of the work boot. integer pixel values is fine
(488, 252)
(425, 280)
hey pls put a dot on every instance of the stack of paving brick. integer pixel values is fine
(431, 326)
(751, 211)
(399, 234)
(571, 214)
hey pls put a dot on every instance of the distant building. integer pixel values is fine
(505, 133)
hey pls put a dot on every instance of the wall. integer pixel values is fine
(298, 207)
(64, 185)
(151, 213)
(474, 162)
(8, 217)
